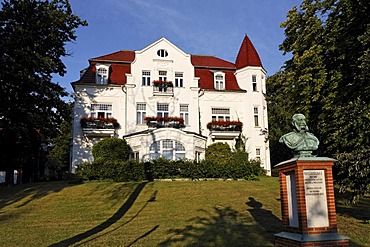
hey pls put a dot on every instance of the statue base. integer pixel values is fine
(308, 203)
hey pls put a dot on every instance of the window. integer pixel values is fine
(219, 82)
(101, 110)
(254, 83)
(162, 53)
(258, 153)
(168, 149)
(255, 112)
(162, 110)
(220, 114)
(179, 79)
(184, 113)
(145, 78)
(140, 113)
(162, 75)
(102, 74)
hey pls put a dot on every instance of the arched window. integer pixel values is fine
(219, 80)
(168, 149)
(102, 74)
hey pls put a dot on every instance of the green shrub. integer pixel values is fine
(238, 167)
(111, 149)
(218, 153)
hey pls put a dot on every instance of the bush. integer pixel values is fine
(111, 150)
(218, 153)
(168, 169)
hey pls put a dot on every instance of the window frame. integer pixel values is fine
(145, 77)
(219, 83)
(184, 113)
(101, 74)
(179, 80)
(140, 113)
(162, 149)
(254, 83)
(104, 110)
(163, 112)
(218, 114)
(256, 116)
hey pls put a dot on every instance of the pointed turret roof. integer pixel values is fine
(247, 55)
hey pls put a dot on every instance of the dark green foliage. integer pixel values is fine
(218, 152)
(33, 34)
(115, 171)
(111, 149)
(326, 79)
(168, 169)
(354, 172)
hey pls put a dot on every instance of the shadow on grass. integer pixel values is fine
(113, 219)
(15, 194)
(263, 217)
(360, 210)
(227, 227)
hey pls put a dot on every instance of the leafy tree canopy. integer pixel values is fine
(326, 78)
(33, 35)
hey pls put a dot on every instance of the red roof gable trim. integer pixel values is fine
(247, 55)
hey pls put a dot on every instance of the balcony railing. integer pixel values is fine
(165, 122)
(98, 126)
(162, 88)
(225, 129)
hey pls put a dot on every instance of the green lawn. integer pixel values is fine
(161, 213)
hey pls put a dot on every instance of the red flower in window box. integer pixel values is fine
(100, 122)
(160, 83)
(225, 125)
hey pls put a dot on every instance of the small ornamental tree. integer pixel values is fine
(218, 153)
(111, 150)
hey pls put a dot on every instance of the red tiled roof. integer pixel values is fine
(210, 62)
(120, 56)
(206, 80)
(117, 74)
(247, 55)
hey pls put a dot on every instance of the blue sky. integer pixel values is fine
(208, 27)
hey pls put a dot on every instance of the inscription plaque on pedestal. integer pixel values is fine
(315, 195)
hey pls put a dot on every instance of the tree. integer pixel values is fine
(111, 150)
(33, 34)
(327, 77)
(219, 153)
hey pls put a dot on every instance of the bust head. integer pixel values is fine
(299, 122)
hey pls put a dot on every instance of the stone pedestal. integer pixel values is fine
(308, 203)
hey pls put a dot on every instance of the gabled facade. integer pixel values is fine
(167, 103)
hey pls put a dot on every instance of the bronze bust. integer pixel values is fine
(300, 140)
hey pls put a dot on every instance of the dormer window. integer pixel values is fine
(162, 53)
(219, 79)
(102, 74)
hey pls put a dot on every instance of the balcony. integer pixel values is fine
(225, 129)
(165, 122)
(99, 126)
(164, 88)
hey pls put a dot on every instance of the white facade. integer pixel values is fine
(204, 88)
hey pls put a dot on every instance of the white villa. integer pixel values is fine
(171, 104)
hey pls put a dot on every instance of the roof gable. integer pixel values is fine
(247, 55)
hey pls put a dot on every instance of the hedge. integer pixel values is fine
(168, 169)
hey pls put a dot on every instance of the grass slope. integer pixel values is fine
(181, 213)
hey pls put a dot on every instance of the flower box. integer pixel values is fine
(98, 123)
(158, 122)
(225, 126)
